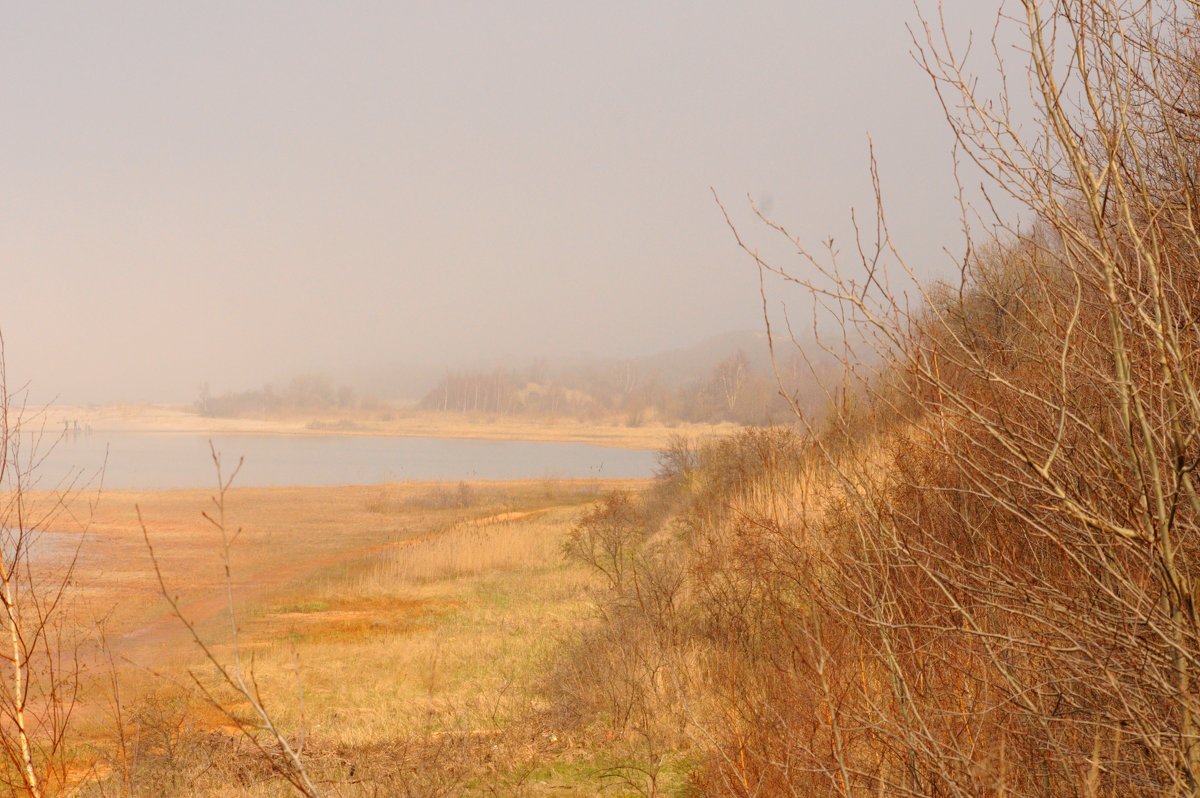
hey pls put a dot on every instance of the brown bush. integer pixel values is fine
(979, 575)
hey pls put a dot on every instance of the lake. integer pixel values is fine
(158, 460)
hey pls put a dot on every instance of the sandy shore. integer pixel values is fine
(165, 418)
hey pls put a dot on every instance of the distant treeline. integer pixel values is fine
(306, 392)
(735, 388)
(733, 391)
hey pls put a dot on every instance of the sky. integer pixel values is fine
(231, 193)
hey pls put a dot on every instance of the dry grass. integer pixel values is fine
(403, 638)
(512, 541)
(290, 536)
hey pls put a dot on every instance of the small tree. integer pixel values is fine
(40, 649)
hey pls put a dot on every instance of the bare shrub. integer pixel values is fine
(461, 496)
(1003, 601)
(633, 677)
(233, 685)
(40, 663)
(607, 536)
(978, 575)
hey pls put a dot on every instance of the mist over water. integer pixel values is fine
(230, 194)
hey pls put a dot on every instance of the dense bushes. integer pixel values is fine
(979, 576)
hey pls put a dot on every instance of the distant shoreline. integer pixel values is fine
(391, 423)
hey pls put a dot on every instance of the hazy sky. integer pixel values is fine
(234, 192)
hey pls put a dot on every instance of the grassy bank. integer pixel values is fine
(403, 633)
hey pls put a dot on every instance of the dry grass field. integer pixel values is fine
(401, 632)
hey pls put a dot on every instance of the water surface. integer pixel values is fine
(156, 460)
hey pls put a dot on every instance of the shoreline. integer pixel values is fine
(382, 423)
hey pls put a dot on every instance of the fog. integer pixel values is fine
(234, 193)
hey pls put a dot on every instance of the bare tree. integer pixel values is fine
(40, 654)
(731, 376)
(236, 674)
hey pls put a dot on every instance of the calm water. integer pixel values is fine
(177, 460)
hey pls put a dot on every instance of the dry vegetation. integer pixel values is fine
(977, 576)
(396, 637)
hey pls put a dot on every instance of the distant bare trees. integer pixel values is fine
(730, 374)
(733, 391)
(303, 393)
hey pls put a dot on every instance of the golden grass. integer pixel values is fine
(290, 536)
(507, 541)
(447, 623)
(373, 614)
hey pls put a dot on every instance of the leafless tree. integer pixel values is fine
(235, 674)
(41, 651)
